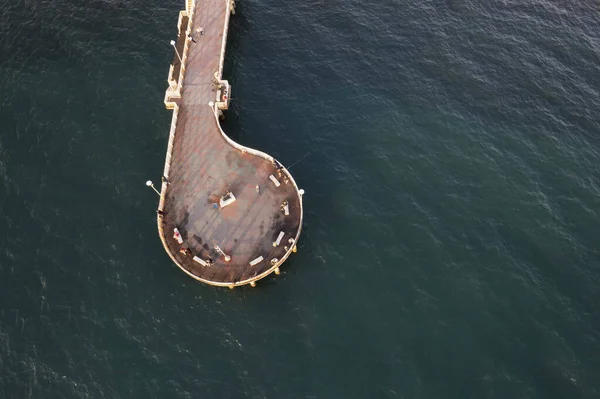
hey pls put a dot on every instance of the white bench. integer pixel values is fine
(177, 236)
(278, 240)
(275, 181)
(256, 261)
(201, 261)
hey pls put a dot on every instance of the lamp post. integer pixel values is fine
(176, 52)
(150, 184)
(219, 250)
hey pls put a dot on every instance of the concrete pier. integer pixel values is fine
(228, 215)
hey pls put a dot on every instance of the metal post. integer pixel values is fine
(176, 52)
(150, 184)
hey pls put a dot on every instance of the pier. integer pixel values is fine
(228, 215)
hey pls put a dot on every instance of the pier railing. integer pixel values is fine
(224, 92)
(177, 68)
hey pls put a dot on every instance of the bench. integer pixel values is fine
(274, 180)
(256, 261)
(201, 261)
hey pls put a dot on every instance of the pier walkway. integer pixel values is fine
(228, 215)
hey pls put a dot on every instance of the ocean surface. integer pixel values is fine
(449, 150)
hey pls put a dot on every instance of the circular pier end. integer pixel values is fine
(231, 215)
(241, 242)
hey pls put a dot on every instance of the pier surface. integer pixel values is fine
(220, 245)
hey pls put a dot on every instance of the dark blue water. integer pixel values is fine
(449, 150)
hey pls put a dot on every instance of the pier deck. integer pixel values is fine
(203, 164)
